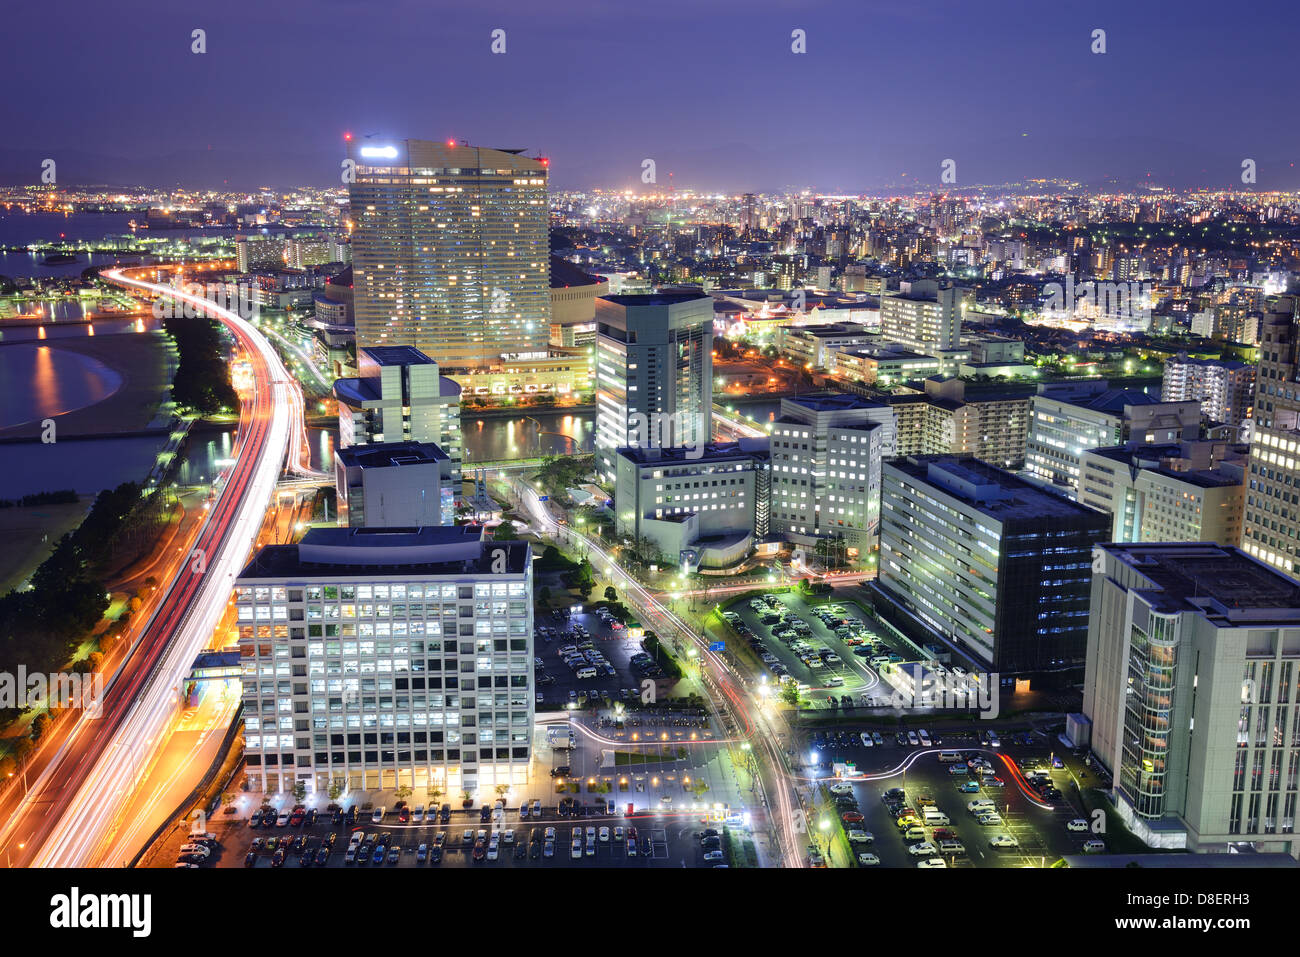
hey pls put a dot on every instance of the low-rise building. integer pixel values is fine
(393, 484)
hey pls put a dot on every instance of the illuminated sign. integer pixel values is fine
(379, 152)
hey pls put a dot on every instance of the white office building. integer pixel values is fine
(380, 658)
(925, 317)
(826, 453)
(1192, 692)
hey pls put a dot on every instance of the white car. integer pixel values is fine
(992, 819)
(198, 849)
(932, 862)
(841, 788)
(868, 860)
(575, 848)
(924, 736)
(378, 816)
(1003, 840)
(859, 836)
(924, 849)
(1078, 824)
(912, 738)
(417, 816)
(604, 835)
(508, 836)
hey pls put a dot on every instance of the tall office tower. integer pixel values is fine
(1067, 420)
(1270, 530)
(1193, 694)
(450, 251)
(826, 452)
(748, 212)
(388, 657)
(399, 396)
(654, 373)
(1225, 388)
(924, 317)
(990, 565)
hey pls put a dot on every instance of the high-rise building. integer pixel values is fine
(392, 484)
(989, 564)
(826, 450)
(1165, 493)
(1271, 527)
(1225, 388)
(654, 372)
(924, 317)
(399, 396)
(450, 250)
(1192, 692)
(383, 658)
(1066, 420)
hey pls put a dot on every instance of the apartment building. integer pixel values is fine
(951, 418)
(1225, 388)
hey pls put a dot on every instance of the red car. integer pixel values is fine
(404, 814)
(297, 817)
(480, 849)
(944, 834)
(851, 817)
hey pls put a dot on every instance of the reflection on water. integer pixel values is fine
(38, 382)
(486, 440)
(527, 436)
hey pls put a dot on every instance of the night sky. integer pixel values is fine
(708, 88)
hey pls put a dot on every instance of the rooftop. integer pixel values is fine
(358, 552)
(995, 492)
(1217, 580)
(654, 299)
(832, 402)
(390, 454)
(397, 355)
(711, 452)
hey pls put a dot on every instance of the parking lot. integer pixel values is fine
(1039, 828)
(599, 649)
(825, 647)
(668, 839)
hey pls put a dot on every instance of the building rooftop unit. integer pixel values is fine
(994, 492)
(833, 402)
(745, 448)
(352, 552)
(1149, 457)
(390, 454)
(397, 355)
(654, 299)
(1220, 581)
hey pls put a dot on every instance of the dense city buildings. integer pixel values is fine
(399, 396)
(450, 250)
(1193, 695)
(1188, 492)
(827, 450)
(391, 484)
(698, 507)
(654, 373)
(989, 565)
(387, 657)
(1067, 419)
(1225, 388)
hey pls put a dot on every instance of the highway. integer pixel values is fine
(64, 817)
(777, 785)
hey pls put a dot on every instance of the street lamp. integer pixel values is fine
(8, 863)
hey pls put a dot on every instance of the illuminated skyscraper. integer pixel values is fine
(450, 251)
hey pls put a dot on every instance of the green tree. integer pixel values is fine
(610, 594)
(299, 791)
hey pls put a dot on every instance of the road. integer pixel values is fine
(777, 785)
(65, 815)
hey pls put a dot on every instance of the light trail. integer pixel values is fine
(144, 697)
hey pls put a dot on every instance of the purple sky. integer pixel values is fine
(708, 88)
